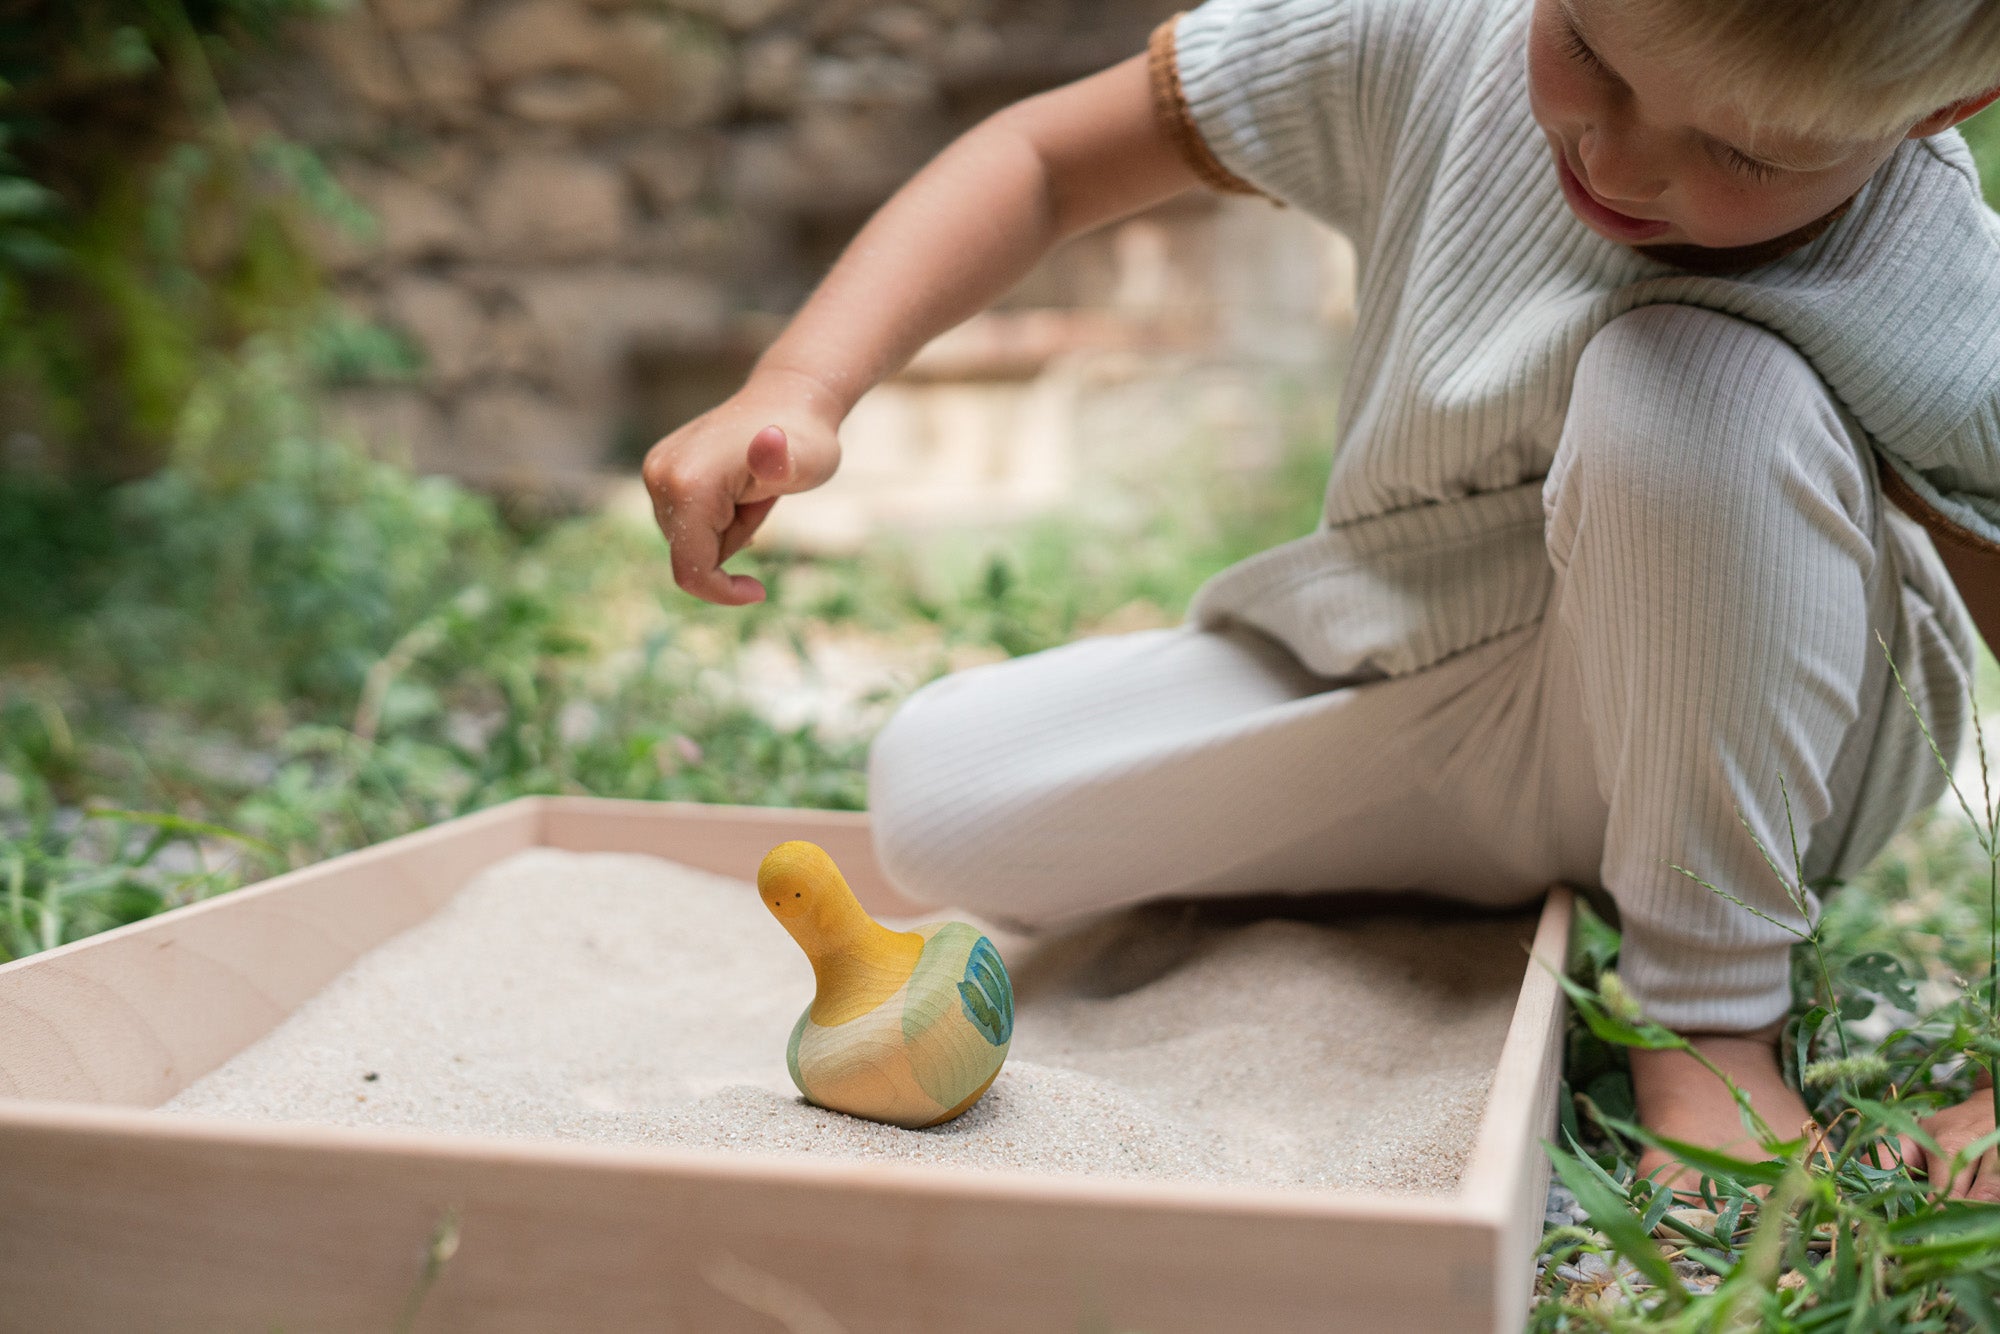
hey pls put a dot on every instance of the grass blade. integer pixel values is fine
(1613, 1216)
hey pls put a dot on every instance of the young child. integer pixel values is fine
(1674, 315)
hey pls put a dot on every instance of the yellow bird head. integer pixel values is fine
(799, 884)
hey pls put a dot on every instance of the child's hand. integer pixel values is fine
(714, 480)
(1953, 1129)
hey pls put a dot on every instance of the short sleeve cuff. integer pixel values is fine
(1956, 524)
(1177, 121)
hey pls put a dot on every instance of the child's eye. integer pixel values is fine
(1748, 166)
(1574, 47)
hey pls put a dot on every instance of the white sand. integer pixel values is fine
(623, 998)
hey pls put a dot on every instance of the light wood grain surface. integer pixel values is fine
(135, 1015)
(113, 1218)
(1509, 1171)
(116, 1223)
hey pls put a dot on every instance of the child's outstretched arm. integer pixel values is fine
(955, 238)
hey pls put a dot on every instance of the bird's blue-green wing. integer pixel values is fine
(987, 994)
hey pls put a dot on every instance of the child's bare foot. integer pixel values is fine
(1679, 1099)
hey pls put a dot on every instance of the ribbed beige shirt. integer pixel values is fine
(1405, 124)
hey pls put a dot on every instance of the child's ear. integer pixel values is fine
(1944, 117)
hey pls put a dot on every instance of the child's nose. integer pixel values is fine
(1618, 168)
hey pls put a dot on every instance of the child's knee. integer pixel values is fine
(1705, 432)
(936, 797)
(909, 764)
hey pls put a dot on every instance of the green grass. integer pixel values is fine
(1895, 1014)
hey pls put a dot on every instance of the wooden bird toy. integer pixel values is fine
(907, 1027)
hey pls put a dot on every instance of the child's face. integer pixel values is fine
(1645, 160)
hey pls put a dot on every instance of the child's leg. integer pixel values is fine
(1721, 568)
(1723, 565)
(1181, 761)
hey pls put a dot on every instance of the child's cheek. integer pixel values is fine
(1716, 208)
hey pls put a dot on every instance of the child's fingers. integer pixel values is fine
(696, 550)
(748, 519)
(770, 459)
(1974, 1181)
(1984, 1187)
(783, 463)
(1932, 1166)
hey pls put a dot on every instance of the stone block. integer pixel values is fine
(592, 320)
(443, 73)
(738, 15)
(968, 53)
(680, 73)
(405, 425)
(568, 97)
(531, 36)
(766, 170)
(832, 161)
(508, 433)
(667, 173)
(871, 82)
(448, 165)
(858, 156)
(447, 324)
(362, 61)
(546, 205)
(516, 347)
(773, 72)
(416, 221)
(416, 15)
(904, 28)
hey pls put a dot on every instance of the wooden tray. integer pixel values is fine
(117, 1218)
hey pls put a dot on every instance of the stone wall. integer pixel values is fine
(593, 214)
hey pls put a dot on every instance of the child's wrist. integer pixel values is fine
(780, 380)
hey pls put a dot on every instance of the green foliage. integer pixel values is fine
(140, 230)
(302, 550)
(279, 636)
(67, 873)
(55, 536)
(1982, 135)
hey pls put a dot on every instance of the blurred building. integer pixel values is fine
(594, 214)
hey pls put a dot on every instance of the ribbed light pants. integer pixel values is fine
(1722, 566)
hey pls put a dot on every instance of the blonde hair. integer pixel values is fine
(1832, 69)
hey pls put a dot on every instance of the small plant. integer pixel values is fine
(142, 230)
(67, 873)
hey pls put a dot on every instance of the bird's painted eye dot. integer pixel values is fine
(795, 895)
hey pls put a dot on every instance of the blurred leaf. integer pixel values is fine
(1882, 975)
(1711, 1162)
(1644, 1034)
(1611, 1215)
